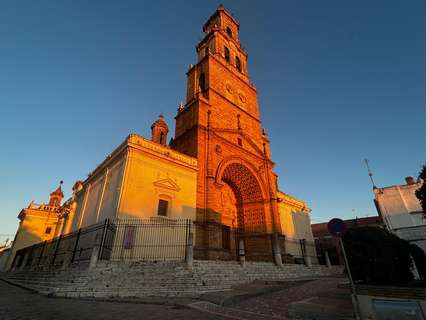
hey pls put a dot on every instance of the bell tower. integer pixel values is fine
(220, 125)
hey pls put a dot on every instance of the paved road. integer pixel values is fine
(20, 304)
(323, 292)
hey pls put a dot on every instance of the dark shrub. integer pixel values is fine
(377, 256)
(419, 258)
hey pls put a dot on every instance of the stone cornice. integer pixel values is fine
(291, 201)
(165, 152)
(139, 142)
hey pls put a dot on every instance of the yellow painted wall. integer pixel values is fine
(130, 183)
(295, 224)
(32, 228)
(150, 178)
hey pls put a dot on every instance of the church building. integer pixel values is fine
(217, 170)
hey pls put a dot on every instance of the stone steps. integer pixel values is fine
(150, 279)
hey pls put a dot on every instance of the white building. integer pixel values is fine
(401, 211)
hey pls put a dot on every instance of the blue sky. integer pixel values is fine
(338, 82)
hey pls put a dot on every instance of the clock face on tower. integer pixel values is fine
(238, 97)
(242, 97)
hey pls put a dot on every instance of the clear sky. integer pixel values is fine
(338, 81)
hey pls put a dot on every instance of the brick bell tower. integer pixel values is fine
(220, 125)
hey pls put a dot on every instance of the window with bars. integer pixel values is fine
(163, 206)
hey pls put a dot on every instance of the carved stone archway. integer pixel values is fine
(248, 197)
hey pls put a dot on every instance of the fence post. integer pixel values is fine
(24, 259)
(30, 256)
(41, 252)
(308, 261)
(75, 246)
(327, 259)
(104, 232)
(276, 250)
(189, 257)
(96, 250)
(56, 250)
(241, 252)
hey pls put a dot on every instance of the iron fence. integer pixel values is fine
(298, 250)
(146, 239)
(217, 241)
(120, 239)
(72, 247)
(163, 239)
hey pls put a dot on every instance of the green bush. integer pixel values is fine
(377, 257)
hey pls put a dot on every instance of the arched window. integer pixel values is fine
(161, 137)
(226, 51)
(238, 63)
(229, 31)
(206, 51)
(202, 82)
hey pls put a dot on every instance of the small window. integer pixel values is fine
(227, 57)
(229, 31)
(161, 137)
(48, 230)
(240, 142)
(202, 82)
(206, 51)
(238, 63)
(163, 206)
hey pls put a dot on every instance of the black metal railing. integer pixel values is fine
(299, 250)
(162, 238)
(72, 247)
(146, 239)
(119, 239)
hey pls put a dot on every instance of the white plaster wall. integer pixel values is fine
(398, 206)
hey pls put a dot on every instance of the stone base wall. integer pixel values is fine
(157, 279)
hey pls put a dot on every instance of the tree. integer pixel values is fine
(421, 193)
(378, 257)
(419, 258)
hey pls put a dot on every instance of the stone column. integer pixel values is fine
(94, 257)
(276, 249)
(241, 252)
(189, 258)
(327, 260)
(98, 245)
(308, 261)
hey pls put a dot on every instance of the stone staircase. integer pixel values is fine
(157, 279)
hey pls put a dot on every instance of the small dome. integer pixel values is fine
(160, 122)
(58, 191)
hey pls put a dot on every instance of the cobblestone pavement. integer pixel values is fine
(20, 304)
(276, 304)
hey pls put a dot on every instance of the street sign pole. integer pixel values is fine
(337, 227)
(348, 269)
